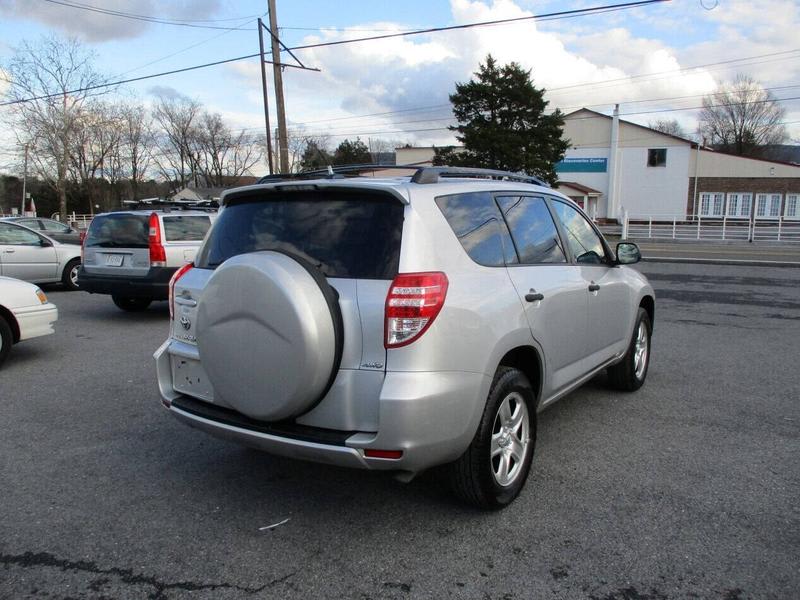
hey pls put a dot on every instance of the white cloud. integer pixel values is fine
(98, 27)
(420, 71)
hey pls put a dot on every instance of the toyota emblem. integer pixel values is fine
(185, 322)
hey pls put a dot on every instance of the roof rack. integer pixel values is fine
(434, 174)
(422, 175)
(169, 205)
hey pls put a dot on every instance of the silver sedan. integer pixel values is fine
(35, 257)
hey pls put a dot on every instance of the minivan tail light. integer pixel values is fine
(158, 257)
(175, 276)
(413, 301)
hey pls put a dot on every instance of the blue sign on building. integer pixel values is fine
(582, 165)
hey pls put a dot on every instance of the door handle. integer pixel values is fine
(9, 251)
(593, 287)
(533, 296)
(185, 301)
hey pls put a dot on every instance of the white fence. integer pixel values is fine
(75, 220)
(679, 227)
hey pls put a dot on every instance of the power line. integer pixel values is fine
(134, 17)
(563, 14)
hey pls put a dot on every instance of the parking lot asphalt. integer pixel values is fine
(688, 488)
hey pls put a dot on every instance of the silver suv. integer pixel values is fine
(401, 323)
(132, 254)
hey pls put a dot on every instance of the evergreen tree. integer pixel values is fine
(352, 153)
(502, 124)
(315, 157)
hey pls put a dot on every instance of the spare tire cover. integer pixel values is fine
(267, 336)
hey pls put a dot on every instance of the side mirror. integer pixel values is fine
(45, 243)
(628, 253)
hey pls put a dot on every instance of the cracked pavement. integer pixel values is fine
(686, 489)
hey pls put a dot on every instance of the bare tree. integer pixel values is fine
(178, 121)
(49, 81)
(299, 142)
(96, 140)
(137, 139)
(222, 156)
(741, 117)
(668, 126)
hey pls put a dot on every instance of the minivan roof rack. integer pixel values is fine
(422, 175)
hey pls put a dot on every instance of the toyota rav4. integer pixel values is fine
(401, 323)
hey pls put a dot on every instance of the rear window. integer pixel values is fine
(118, 231)
(350, 234)
(185, 228)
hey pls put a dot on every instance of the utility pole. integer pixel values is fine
(24, 180)
(264, 90)
(283, 145)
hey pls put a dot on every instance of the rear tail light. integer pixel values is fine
(177, 275)
(158, 257)
(412, 304)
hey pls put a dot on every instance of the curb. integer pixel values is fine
(723, 261)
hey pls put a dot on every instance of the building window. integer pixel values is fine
(657, 157)
(768, 206)
(711, 204)
(739, 205)
(792, 210)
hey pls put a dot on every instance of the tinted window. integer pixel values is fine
(185, 228)
(532, 229)
(345, 233)
(118, 231)
(584, 243)
(478, 225)
(657, 157)
(18, 236)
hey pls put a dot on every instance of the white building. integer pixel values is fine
(614, 166)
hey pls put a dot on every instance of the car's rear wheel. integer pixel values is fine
(6, 339)
(493, 470)
(629, 374)
(70, 275)
(131, 304)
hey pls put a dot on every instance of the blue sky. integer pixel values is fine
(411, 77)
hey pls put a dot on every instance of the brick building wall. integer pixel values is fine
(753, 185)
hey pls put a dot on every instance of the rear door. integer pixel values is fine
(609, 311)
(26, 255)
(552, 293)
(118, 244)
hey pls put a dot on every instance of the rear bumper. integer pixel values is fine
(430, 416)
(154, 285)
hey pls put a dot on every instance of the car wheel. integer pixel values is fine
(131, 304)
(493, 470)
(70, 276)
(6, 339)
(629, 374)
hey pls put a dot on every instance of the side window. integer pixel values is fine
(55, 226)
(585, 244)
(478, 225)
(17, 236)
(30, 223)
(657, 157)
(532, 229)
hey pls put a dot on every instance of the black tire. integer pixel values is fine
(623, 375)
(70, 275)
(6, 339)
(473, 475)
(131, 304)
